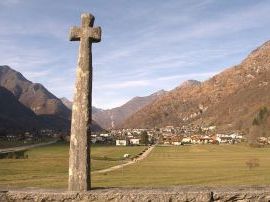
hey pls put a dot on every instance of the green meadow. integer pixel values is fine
(47, 167)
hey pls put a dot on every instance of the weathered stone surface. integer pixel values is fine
(79, 156)
(186, 193)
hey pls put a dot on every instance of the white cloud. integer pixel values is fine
(150, 82)
(36, 74)
(124, 84)
(162, 49)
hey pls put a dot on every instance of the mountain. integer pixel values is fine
(260, 126)
(113, 118)
(230, 99)
(190, 83)
(68, 104)
(33, 95)
(14, 115)
(52, 113)
(96, 110)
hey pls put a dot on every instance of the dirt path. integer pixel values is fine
(140, 158)
(15, 149)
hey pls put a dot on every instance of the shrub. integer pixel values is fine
(252, 163)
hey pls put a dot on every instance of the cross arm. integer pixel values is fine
(95, 34)
(75, 34)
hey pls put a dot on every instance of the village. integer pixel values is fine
(30, 137)
(171, 135)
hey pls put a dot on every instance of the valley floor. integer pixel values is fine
(219, 165)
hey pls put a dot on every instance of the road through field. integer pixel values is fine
(140, 158)
(15, 149)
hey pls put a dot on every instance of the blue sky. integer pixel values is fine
(147, 45)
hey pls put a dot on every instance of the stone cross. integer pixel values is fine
(79, 154)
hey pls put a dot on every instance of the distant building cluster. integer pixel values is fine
(32, 136)
(201, 139)
(197, 135)
(169, 135)
(263, 140)
(125, 137)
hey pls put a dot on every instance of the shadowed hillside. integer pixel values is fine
(14, 115)
(35, 105)
(33, 95)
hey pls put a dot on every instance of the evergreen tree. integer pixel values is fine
(144, 138)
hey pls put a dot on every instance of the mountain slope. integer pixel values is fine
(50, 111)
(68, 104)
(13, 115)
(33, 95)
(95, 126)
(229, 98)
(113, 118)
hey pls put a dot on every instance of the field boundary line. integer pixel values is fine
(15, 149)
(135, 160)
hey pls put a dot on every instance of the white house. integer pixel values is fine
(195, 139)
(205, 139)
(186, 140)
(134, 141)
(178, 143)
(121, 143)
(218, 139)
(105, 135)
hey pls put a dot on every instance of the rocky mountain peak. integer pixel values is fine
(191, 83)
(159, 93)
(6, 70)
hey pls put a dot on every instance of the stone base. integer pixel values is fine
(184, 193)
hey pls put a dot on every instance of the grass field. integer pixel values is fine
(196, 164)
(166, 166)
(7, 144)
(48, 166)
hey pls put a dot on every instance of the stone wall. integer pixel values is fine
(186, 193)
